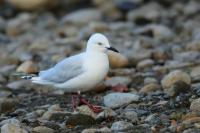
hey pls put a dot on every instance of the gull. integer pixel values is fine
(81, 72)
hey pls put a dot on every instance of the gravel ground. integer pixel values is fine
(153, 84)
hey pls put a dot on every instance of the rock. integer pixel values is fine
(43, 129)
(195, 106)
(135, 56)
(7, 105)
(113, 81)
(117, 60)
(51, 110)
(115, 100)
(193, 46)
(18, 85)
(100, 130)
(145, 64)
(12, 128)
(84, 109)
(173, 77)
(40, 45)
(107, 113)
(159, 32)
(28, 67)
(2, 79)
(121, 126)
(150, 88)
(131, 116)
(90, 15)
(149, 80)
(18, 25)
(10, 121)
(7, 69)
(98, 27)
(176, 88)
(79, 119)
(146, 14)
(195, 72)
(32, 5)
(188, 56)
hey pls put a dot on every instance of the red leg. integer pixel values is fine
(95, 109)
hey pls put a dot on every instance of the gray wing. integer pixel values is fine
(64, 70)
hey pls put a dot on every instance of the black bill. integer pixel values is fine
(113, 49)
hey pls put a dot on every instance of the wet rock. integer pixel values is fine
(121, 126)
(195, 106)
(28, 67)
(176, 88)
(150, 88)
(115, 100)
(43, 129)
(2, 79)
(94, 130)
(4, 93)
(90, 15)
(194, 45)
(32, 5)
(113, 81)
(12, 128)
(7, 104)
(84, 109)
(79, 119)
(18, 85)
(117, 60)
(175, 76)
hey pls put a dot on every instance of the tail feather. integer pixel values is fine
(36, 80)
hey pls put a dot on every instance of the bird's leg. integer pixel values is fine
(94, 108)
(74, 102)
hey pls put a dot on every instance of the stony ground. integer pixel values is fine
(153, 85)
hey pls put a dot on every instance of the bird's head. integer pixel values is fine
(99, 43)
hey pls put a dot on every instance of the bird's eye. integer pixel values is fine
(99, 43)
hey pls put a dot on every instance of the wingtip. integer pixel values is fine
(26, 77)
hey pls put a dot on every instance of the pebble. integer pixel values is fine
(115, 100)
(10, 121)
(159, 32)
(12, 128)
(84, 109)
(176, 88)
(28, 67)
(195, 105)
(7, 105)
(18, 85)
(106, 113)
(117, 60)
(131, 116)
(174, 76)
(90, 15)
(121, 126)
(32, 5)
(150, 88)
(145, 64)
(99, 130)
(113, 81)
(43, 129)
